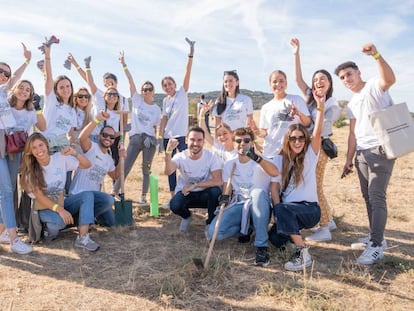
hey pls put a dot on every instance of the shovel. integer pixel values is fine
(197, 261)
(123, 208)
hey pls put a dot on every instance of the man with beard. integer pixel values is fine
(102, 163)
(199, 180)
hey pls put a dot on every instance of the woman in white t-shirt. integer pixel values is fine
(222, 142)
(8, 233)
(299, 208)
(174, 118)
(321, 79)
(233, 108)
(145, 118)
(83, 107)
(44, 178)
(58, 107)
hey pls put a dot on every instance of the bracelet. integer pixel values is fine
(168, 152)
(77, 67)
(38, 112)
(125, 67)
(203, 118)
(47, 58)
(160, 137)
(88, 69)
(320, 109)
(76, 154)
(376, 55)
(190, 56)
(55, 207)
(27, 61)
(97, 121)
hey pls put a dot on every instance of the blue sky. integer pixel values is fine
(251, 36)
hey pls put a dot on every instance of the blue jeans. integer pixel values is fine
(207, 198)
(104, 213)
(374, 173)
(172, 179)
(229, 223)
(135, 146)
(292, 217)
(80, 205)
(9, 170)
(231, 219)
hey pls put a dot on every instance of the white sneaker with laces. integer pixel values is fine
(323, 234)
(19, 247)
(4, 237)
(371, 254)
(299, 260)
(185, 223)
(363, 242)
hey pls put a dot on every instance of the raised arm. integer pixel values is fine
(48, 70)
(387, 77)
(132, 87)
(89, 77)
(186, 82)
(84, 135)
(202, 122)
(294, 42)
(19, 71)
(78, 68)
(320, 98)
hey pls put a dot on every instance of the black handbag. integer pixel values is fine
(330, 148)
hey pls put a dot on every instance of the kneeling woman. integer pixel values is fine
(44, 177)
(299, 208)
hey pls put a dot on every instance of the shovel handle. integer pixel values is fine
(217, 225)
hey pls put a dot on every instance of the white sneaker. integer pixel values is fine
(185, 223)
(332, 225)
(4, 237)
(321, 235)
(166, 205)
(363, 242)
(371, 255)
(299, 260)
(19, 247)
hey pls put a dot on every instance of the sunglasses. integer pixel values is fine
(246, 140)
(83, 96)
(293, 139)
(106, 135)
(6, 73)
(147, 89)
(112, 94)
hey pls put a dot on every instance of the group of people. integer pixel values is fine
(279, 181)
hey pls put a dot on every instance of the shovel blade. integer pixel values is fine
(123, 212)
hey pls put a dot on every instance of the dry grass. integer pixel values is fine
(149, 266)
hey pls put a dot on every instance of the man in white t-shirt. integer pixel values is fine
(199, 180)
(102, 163)
(373, 167)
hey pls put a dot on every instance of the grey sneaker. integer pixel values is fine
(300, 259)
(87, 243)
(185, 223)
(4, 237)
(19, 247)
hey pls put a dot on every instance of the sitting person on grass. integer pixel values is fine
(199, 180)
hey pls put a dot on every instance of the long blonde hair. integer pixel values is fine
(30, 170)
(88, 114)
(292, 159)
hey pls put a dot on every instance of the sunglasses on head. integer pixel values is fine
(112, 94)
(147, 89)
(293, 139)
(83, 96)
(106, 135)
(6, 73)
(246, 140)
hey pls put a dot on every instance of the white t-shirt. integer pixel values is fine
(369, 99)
(276, 118)
(6, 115)
(90, 179)
(60, 118)
(247, 176)
(55, 172)
(25, 119)
(236, 112)
(144, 116)
(80, 118)
(195, 171)
(176, 110)
(306, 190)
(224, 155)
(100, 105)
